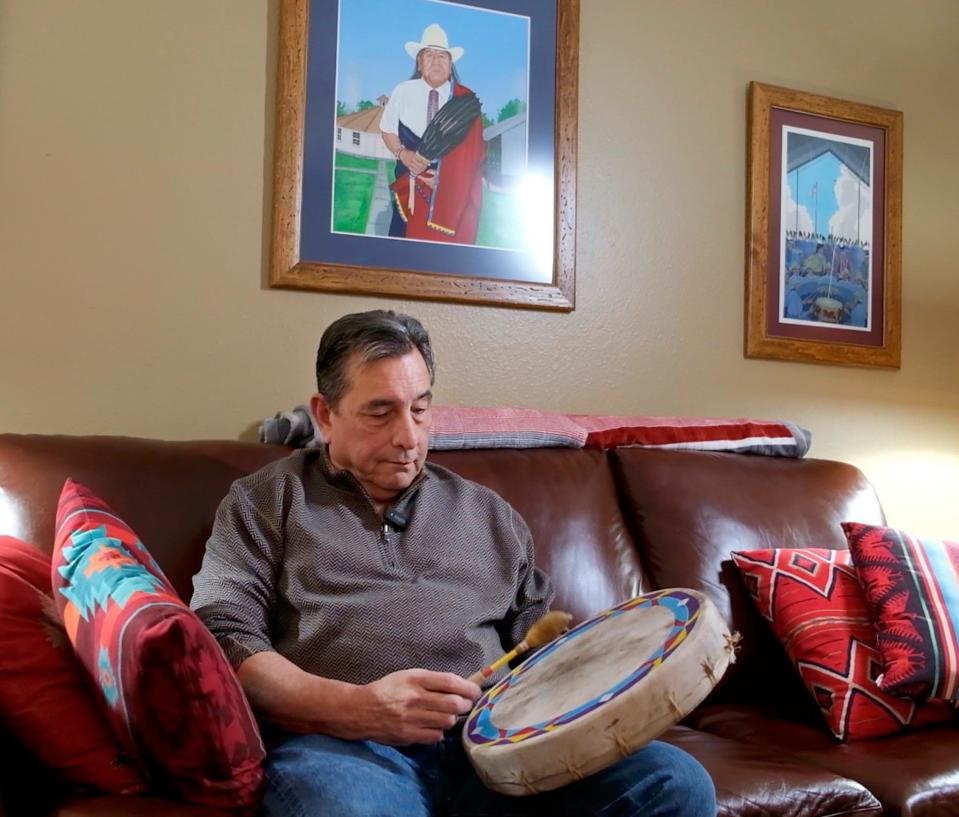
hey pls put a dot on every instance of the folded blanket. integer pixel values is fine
(460, 428)
(771, 438)
(453, 428)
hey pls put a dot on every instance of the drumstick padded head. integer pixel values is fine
(547, 628)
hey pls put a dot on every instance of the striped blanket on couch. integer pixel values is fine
(457, 427)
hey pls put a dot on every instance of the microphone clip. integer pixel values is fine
(396, 519)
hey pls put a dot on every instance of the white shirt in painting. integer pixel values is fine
(408, 103)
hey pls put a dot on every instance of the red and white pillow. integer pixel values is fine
(815, 604)
(768, 437)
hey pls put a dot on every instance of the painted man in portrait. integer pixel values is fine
(438, 198)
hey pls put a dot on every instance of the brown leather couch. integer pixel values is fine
(607, 525)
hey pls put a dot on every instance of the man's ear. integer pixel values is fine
(321, 413)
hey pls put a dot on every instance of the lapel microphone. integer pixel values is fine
(397, 519)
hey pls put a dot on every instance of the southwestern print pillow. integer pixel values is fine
(172, 696)
(45, 699)
(912, 586)
(817, 610)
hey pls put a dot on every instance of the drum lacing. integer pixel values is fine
(573, 769)
(621, 744)
(675, 706)
(710, 672)
(524, 781)
(732, 644)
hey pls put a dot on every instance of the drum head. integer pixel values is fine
(614, 681)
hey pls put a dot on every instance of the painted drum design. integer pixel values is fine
(599, 692)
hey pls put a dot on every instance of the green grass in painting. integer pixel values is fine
(362, 162)
(352, 194)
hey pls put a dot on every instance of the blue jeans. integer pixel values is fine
(321, 776)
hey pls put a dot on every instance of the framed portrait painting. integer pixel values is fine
(823, 267)
(427, 149)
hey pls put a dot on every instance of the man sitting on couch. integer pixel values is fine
(354, 586)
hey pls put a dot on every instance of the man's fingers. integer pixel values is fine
(463, 705)
(425, 735)
(433, 720)
(447, 703)
(449, 683)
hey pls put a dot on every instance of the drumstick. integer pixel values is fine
(542, 632)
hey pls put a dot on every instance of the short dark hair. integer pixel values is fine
(368, 336)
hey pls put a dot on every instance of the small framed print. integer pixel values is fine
(823, 265)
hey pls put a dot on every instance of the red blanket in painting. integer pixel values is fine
(451, 211)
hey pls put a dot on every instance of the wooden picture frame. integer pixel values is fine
(307, 250)
(824, 229)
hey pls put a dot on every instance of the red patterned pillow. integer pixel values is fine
(912, 586)
(45, 700)
(818, 611)
(172, 696)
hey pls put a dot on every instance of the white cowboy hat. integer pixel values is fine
(434, 37)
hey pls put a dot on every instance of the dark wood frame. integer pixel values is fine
(762, 189)
(288, 270)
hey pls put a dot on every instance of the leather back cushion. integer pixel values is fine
(168, 491)
(689, 510)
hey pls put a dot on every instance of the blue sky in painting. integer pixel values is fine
(372, 58)
(818, 176)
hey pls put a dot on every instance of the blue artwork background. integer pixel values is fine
(317, 242)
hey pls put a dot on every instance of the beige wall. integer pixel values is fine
(135, 143)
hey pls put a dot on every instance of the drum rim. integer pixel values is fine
(479, 728)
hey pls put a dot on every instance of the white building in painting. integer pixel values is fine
(506, 151)
(359, 133)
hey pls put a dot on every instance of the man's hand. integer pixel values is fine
(412, 706)
(416, 163)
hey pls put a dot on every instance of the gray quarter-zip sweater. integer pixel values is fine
(301, 563)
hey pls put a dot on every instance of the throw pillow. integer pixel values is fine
(172, 696)
(45, 700)
(817, 609)
(912, 586)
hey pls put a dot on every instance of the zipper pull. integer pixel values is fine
(387, 549)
